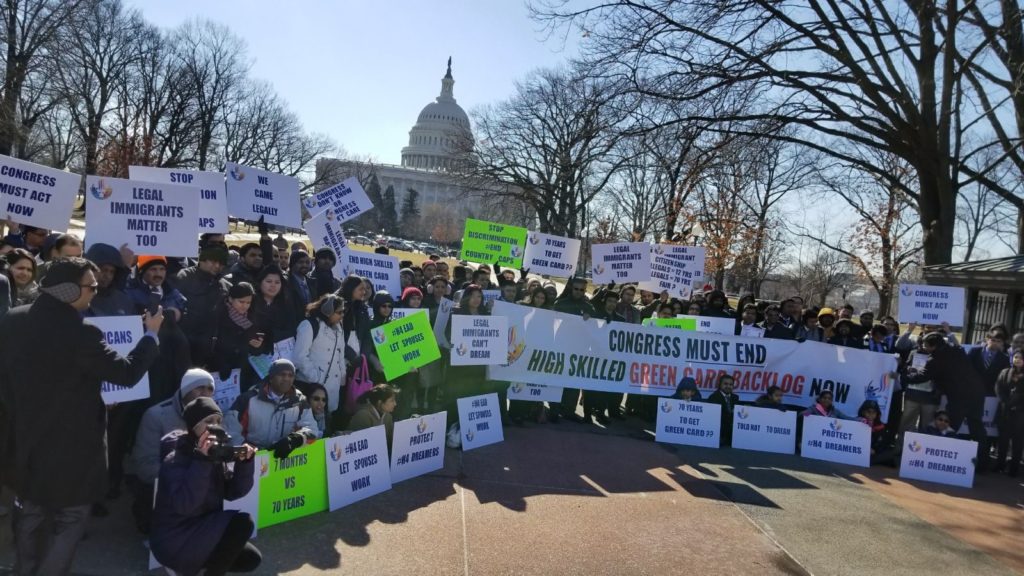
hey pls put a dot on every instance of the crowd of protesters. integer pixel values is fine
(205, 318)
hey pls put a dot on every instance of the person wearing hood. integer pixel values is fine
(111, 298)
(321, 279)
(717, 306)
(406, 278)
(205, 293)
(845, 336)
(192, 532)
(687, 390)
(383, 305)
(827, 320)
(52, 368)
(158, 421)
(320, 349)
(274, 416)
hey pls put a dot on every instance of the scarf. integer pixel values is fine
(820, 409)
(240, 320)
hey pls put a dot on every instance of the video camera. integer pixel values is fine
(221, 449)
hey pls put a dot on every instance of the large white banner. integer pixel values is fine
(621, 261)
(556, 349)
(835, 440)
(253, 193)
(347, 199)
(357, 466)
(152, 218)
(479, 421)
(938, 459)
(213, 201)
(551, 255)
(931, 304)
(36, 195)
(417, 446)
(690, 423)
(122, 333)
(764, 429)
(381, 269)
(479, 340)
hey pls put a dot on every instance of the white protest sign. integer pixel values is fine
(674, 269)
(253, 193)
(988, 417)
(764, 429)
(714, 325)
(690, 423)
(479, 340)
(285, 349)
(480, 421)
(621, 261)
(751, 331)
(357, 466)
(250, 503)
(941, 459)
(534, 392)
(226, 391)
(347, 199)
(381, 269)
(835, 440)
(444, 312)
(324, 231)
(397, 313)
(417, 446)
(931, 304)
(122, 333)
(918, 360)
(691, 258)
(551, 255)
(213, 201)
(36, 195)
(152, 218)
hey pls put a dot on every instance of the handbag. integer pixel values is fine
(357, 385)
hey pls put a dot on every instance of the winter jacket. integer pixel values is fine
(206, 295)
(158, 421)
(920, 392)
(778, 332)
(1010, 393)
(321, 360)
(816, 334)
(368, 417)
(576, 307)
(189, 517)
(139, 292)
(112, 300)
(52, 365)
(259, 420)
(5, 295)
(851, 341)
(953, 375)
(232, 349)
(277, 318)
(988, 374)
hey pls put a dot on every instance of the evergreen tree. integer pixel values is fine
(388, 216)
(411, 213)
(371, 219)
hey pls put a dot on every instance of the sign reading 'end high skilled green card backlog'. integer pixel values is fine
(488, 242)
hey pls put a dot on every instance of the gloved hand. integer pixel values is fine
(285, 445)
(523, 272)
(261, 225)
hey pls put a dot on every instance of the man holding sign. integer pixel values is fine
(59, 485)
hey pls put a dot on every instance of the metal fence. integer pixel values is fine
(990, 310)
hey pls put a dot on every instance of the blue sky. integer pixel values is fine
(360, 71)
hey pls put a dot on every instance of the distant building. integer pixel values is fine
(442, 129)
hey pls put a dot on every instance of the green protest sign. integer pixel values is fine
(687, 324)
(487, 242)
(405, 344)
(292, 487)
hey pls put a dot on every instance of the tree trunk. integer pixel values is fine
(1020, 231)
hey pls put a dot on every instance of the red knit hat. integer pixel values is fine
(411, 291)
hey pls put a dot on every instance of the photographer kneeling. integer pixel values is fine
(191, 531)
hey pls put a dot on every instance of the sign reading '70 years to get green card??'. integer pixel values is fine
(487, 243)
(405, 344)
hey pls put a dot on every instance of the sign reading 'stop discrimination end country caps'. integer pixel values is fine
(152, 218)
(490, 242)
(213, 202)
(36, 195)
(253, 193)
(931, 304)
(621, 261)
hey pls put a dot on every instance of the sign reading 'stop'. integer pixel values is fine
(255, 193)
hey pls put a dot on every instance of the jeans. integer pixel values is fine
(45, 538)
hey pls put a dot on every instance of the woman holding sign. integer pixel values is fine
(465, 381)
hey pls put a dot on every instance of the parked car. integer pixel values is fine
(362, 240)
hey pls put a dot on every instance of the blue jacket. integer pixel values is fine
(189, 517)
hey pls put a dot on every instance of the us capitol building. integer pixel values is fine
(441, 130)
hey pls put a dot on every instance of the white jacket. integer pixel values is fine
(321, 360)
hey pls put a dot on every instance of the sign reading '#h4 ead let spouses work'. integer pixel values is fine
(931, 304)
(551, 255)
(213, 202)
(405, 344)
(621, 262)
(253, 193)
(150, 217)
(489, 242)
(36, 195)
(480, 421)
(357, 466)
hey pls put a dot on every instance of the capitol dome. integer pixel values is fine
(442, 130)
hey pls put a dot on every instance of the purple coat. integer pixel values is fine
(189, 517)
